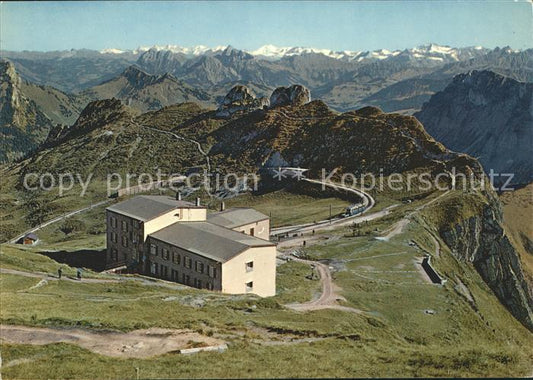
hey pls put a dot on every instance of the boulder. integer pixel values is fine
(293, 95)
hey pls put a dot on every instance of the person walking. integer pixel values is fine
(59, 272)
(78, 273)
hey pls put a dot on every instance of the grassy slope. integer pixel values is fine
(517, 212)
(395, 338)
(287, 209)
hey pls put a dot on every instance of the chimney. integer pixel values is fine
(222, 206)
(198, 201)
(178, 196)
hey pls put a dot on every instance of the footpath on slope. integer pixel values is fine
(329, 297)
(134, 344)
(399, 227)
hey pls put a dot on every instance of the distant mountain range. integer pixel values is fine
(151, 78)
(400, 80)
(430, 51)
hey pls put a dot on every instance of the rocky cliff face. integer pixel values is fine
(28, 111)
(294, 95)
(22, 125)
(488, 116)
(240, 99)
(481, 239)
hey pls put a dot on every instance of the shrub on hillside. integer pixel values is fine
(72, 225)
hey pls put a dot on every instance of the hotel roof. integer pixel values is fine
(208, 240)
(236, 217)
(147, 207)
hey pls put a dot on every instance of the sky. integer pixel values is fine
(344, 25)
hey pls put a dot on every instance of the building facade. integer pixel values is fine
(159, 236)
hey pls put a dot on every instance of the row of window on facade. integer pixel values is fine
(187, 262)
(125, 240)
(175, 257)
(124, 225)
(161, 270)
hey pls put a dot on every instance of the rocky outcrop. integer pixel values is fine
(294, 95)
(146, 92)
(23, 125)
(488, 116)
(481, 240)
(240, 99)
(97, 114)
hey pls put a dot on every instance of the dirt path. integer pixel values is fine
(134, 344)
(198, 145)
(436, 243)
(146, 281)
(48, 277)
(399, 226)
(328, 298)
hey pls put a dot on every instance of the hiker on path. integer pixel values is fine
(59, 272)
(78, 273)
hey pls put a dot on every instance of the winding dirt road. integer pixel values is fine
(329, 298)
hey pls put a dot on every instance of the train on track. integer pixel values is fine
(354, 209)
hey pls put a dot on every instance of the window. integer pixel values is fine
(114, 254)
(209, 286)
(164, 271)
(212, 271)
(153, 268)
(136, 223)
(252, 231)
(185, 279)
(165, 254)
(124, 226)
(249, 266)
(113, 222)
(124, 241)
(197, 283)
(187, 262)
(174, 275)
(250, 286)
(176, 257)
(113, 237)
(199, 267)
(153, 249)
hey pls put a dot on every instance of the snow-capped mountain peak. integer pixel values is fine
(190, 51)
(430, 52)
(275, 52)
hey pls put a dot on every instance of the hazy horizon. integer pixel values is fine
(337, 26)
(164, 46)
